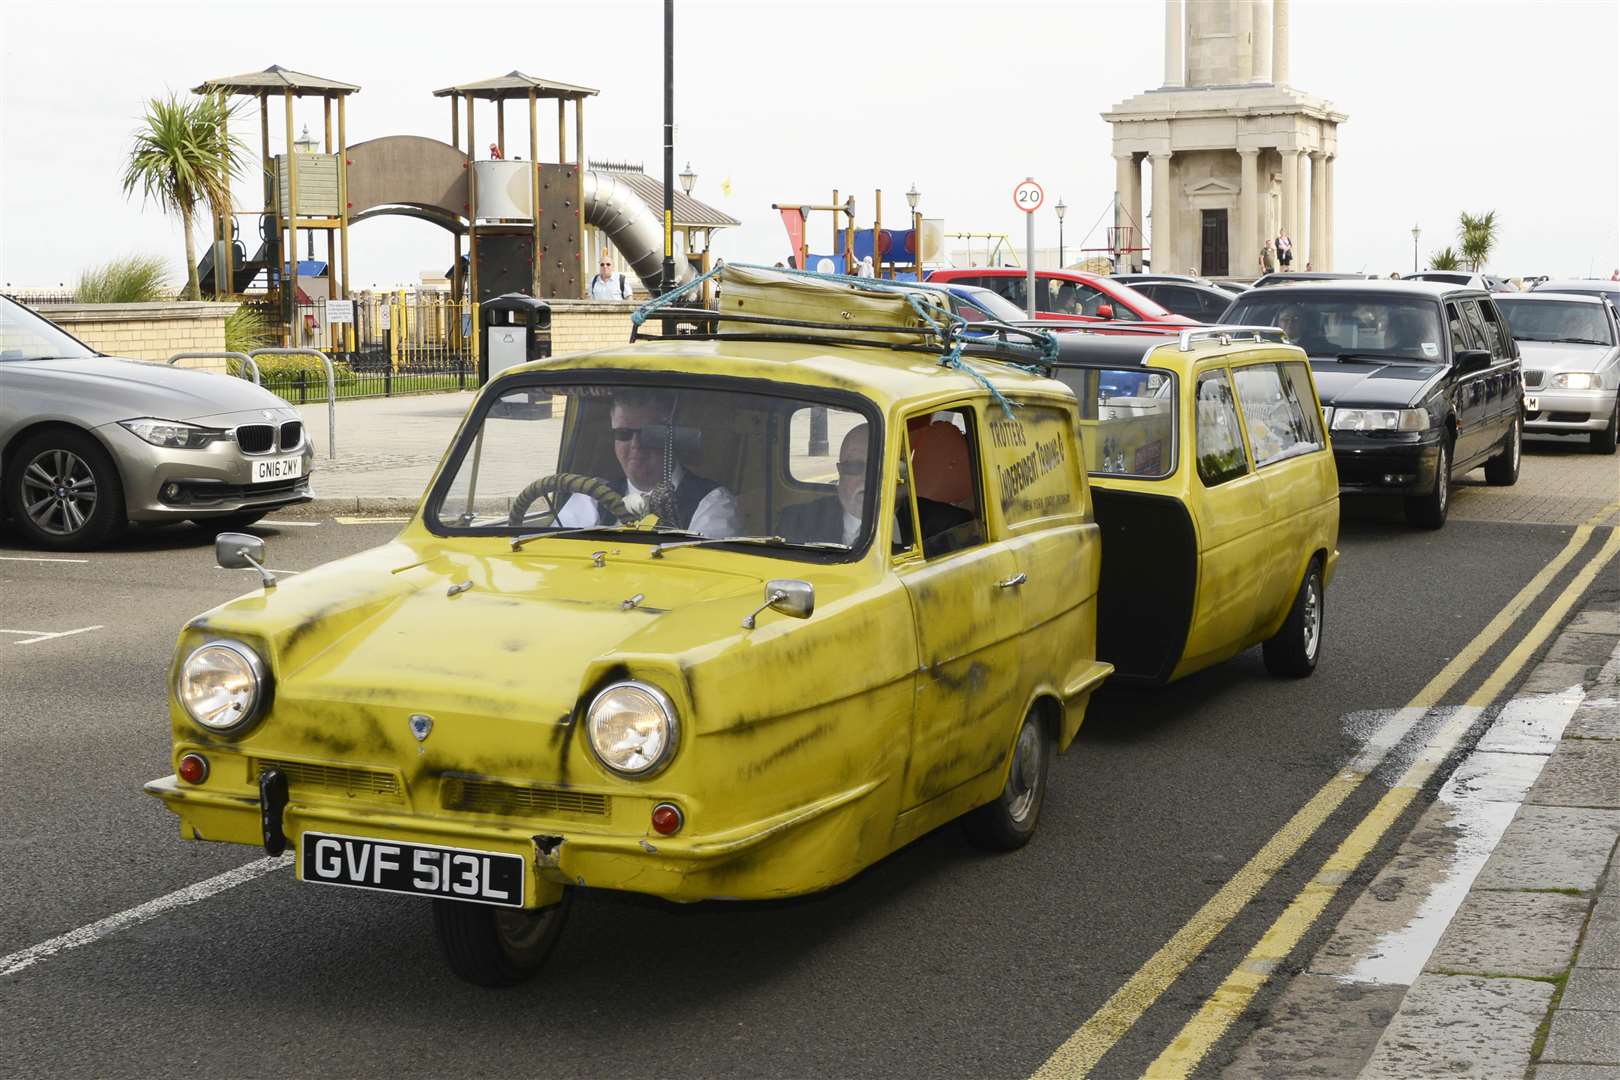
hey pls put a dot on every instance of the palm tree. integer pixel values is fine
(184, 154)
(1476, 235)
(1444, 259)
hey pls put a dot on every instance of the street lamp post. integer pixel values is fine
(1416, 232)
(1061, 210)
(913, 197)
(688, 179)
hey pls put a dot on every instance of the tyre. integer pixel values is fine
(1292, 651)
(1429, 511)
(1503, 469)
(229, 522)
(63, 492)
(1007, 823)
(494, 946)
(1603, 442)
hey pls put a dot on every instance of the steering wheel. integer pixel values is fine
(556, 485)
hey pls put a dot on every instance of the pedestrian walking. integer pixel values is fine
(607, 285)
(1267, 265)
(1285, 251)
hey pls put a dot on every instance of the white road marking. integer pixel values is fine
(36, 636)
(287, 524)
(86, 935)
(371, 520)
(26, 558)
(272, 569)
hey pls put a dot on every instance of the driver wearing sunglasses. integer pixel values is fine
(643, 441)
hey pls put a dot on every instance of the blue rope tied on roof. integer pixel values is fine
(642, 313)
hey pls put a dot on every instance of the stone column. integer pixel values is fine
(1318, 210)
(1138, 212)
(1261, 18)
(1124, 165)
(1175, 66)
(1246, 257)
(1290, 203)
(1326, 261)
(1279, 42)
(1243, 34)
(1163, 248)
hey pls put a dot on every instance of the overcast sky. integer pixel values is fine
(1453, 105)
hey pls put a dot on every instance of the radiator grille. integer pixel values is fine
(256, 438)
(494, 797)
(342, 779)
(292, 433)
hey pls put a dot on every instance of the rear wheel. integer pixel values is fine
(1603, 442)
(1503, 469)
(493, 946)
(1292, 652)
(63, 491)
(1007, 823)
(1429, 511)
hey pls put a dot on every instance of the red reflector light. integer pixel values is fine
(194, 768)
(667, 819)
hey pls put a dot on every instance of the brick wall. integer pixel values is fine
(583, 325)
(147, 331)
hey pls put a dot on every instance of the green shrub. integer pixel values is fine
(247, 329)
(130, 279)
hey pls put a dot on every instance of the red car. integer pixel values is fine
(1067, 296)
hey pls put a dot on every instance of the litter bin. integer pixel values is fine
(517, 329)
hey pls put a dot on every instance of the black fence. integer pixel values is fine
(357, 379)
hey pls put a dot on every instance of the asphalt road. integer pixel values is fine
(940, 960)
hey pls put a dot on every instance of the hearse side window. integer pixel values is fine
(1220, 439)
(1476, 323)
(1461, 336)
(1496, 331)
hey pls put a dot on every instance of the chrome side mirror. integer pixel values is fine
(242, 551)
(790, 596)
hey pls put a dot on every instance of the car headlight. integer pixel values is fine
(221, 684)
(172, 433)
(1576, 380)
(1380, 420)
(632, 728)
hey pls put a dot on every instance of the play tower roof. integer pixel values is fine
(515, 84)
(276, 79)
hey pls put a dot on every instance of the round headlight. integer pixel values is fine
(220, 685)
(632, 728)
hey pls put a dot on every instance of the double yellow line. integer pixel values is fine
(1086, 1047)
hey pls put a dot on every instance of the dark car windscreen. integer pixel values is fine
(1392, 327)
(26, 336)
(1555, 320)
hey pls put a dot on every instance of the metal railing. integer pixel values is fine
(252, 367)
(331, 390)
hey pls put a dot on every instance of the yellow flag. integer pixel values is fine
(725, 186)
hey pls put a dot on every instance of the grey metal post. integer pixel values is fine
(331, 390)
(253, 369)
(1029, 258)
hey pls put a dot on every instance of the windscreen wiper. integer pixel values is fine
(662, 530)
(769, 541)
(1582, 341)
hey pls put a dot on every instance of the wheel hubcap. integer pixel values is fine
(59, 492)
(1313, 615)
(1024, 782)
(522, 931)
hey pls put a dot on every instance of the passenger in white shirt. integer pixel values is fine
(642, 429)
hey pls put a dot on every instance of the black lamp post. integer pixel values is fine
(1416, 232)
(668, 281)
(1061, 210)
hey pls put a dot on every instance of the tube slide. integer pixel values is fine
(614, 207)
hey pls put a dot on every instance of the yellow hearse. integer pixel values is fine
(1215, 489)
(732, 613)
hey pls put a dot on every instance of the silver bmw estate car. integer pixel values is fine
(1570, 343)
(90, 443)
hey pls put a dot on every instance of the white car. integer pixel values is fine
(1570, 345)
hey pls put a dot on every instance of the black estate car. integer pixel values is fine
(1420, 382)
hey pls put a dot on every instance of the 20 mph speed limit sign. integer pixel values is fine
(1028, 196)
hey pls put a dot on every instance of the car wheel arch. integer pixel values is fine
(40, 426)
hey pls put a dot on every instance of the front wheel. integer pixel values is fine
(493, 946)
(63, 490)
(1007, 823)
(1503, 469)
(1429, 511)
(1603, 442)
(1293, 650)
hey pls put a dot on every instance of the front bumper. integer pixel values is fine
(1569, 412)
(1381, 466)
(805, 849)
(214, 480)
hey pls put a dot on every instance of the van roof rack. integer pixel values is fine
(761, 303)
